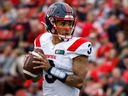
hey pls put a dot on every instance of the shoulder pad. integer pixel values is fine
(41, 39)
(81, 47)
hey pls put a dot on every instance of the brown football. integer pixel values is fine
(28, 70)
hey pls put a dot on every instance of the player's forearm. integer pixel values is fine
(74, 81)
(71, 80)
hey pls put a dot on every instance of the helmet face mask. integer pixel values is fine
(60, 11)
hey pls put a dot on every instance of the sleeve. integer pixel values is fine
(37, 41)
(83, 49)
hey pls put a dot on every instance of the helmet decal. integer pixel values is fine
(51, 10)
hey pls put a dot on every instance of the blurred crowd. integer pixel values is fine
(103, 22)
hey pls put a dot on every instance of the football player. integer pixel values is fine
(65, 63)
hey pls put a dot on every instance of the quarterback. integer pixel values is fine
(65, 63)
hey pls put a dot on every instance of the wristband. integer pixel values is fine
(60, 75)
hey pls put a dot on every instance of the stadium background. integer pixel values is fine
(103, 22)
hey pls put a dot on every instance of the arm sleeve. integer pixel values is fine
(84, 49)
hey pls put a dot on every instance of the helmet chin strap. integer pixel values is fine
(64, 38)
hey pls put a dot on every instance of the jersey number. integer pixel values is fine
(50, 78)
(90, 49)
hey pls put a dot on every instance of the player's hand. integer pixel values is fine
(42, 62)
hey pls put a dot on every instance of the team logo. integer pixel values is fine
(51, 10)
(59, 52)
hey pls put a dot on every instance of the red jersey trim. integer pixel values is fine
(37, 41)
(77, 44)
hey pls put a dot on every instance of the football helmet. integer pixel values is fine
(60, 11)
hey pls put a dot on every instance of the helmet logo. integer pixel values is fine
(51, 10)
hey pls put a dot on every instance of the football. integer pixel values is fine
(28, 70)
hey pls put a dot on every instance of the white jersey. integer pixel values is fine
(61, 54)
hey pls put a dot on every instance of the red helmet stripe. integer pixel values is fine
(77, 44)
(68, 9)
